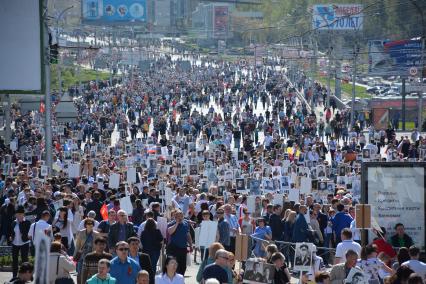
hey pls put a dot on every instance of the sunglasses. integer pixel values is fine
(123, 249)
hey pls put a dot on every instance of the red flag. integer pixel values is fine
(104, 212)
(42, 107)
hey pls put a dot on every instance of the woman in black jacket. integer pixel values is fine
(19, 239)
(152, 241)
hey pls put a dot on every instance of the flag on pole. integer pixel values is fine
(104, 212)
(42, 107)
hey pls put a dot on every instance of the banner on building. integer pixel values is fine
(113, 11)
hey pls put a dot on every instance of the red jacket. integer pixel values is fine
(383, 246)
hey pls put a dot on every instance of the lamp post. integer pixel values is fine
(422, 60)
(58, 18)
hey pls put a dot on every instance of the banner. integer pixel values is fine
(394, 58)
(112, 11)
(221, 19)
(396, 193)
(338, 17)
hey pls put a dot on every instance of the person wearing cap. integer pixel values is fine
(261, 233)
(18, 236)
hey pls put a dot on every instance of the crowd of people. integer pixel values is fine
(149, 160)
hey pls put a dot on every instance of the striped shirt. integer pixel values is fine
(90, 264)
(233, 223)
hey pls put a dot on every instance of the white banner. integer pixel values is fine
(397, 196)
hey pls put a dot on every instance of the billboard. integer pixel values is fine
(394, 58)
(396, 192)
(113, 11)
(21, 48)
(337, 17)
(221, 19)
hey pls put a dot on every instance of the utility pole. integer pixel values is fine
(338, 68)
(8, 121)
(353, 85)
(96, 69)
(314, 69)
(422, 61)
(59, 53)
(48, 97)
(78, 64)
(422, 76)
(330, 54)
(403, 94)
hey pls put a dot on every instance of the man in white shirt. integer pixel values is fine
(181, 201)
(414, 263)
(41, 227)
(346, 244)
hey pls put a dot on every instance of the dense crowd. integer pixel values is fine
(149, 160)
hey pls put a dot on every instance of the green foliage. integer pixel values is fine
(70, 78)
(6, 260)
(383, 19)
(360, 92)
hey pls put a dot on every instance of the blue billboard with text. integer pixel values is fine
(113, 11)
(337, 17)
(395, 58)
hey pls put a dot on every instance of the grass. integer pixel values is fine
(409, 125)
(70, 78)
(360, 92)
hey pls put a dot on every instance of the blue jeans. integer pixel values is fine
(237, 143)
(327, 240)
(154, 255)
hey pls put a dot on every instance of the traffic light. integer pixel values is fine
(54, 53)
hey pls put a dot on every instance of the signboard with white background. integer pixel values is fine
(396, 192)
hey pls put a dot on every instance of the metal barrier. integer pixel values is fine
(300, 96)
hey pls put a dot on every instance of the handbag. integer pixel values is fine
(79, 253)
(188, 259)
(62, 280)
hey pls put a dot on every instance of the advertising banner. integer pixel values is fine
(221, 18)
(21, 48)
(113, 11)
(396, 192)
(337, 17)
(394, 58)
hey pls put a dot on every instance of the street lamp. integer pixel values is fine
(58, 18)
